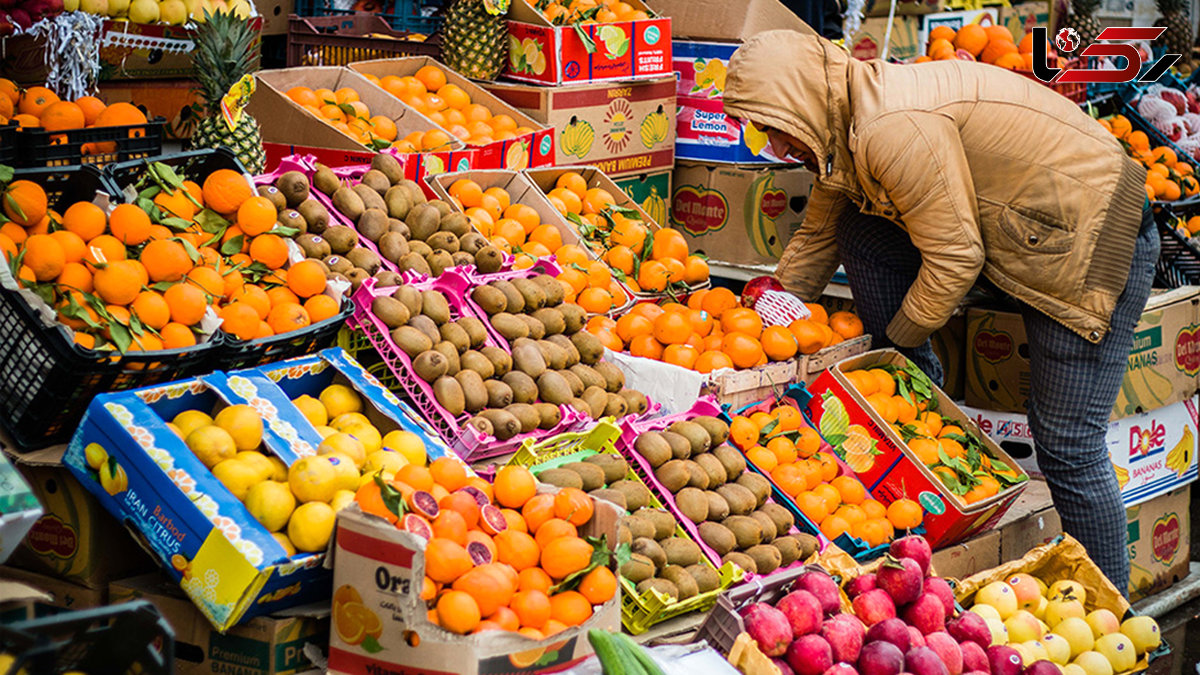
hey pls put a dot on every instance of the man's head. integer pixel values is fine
(785, 146)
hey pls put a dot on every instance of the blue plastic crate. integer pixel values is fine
(413, 16)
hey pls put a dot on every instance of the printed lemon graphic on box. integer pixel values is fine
(96, 455)
(113, 478)
(710, 75)
(756, 139)
(526, 56)
(355, 624)
(616, 43)
(517, 157)
(859, 449)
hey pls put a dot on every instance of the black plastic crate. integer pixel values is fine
(127, 638)
(194, 165)
(412, 16)
(94, 145)
(1178, 262)
(8, 144)
(46, 379)
(343, 39)
(236, 354)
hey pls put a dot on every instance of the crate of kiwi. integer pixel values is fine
(667, 574)
(704, 482)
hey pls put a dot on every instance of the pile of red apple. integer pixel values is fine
(904, 621)
(22, 14)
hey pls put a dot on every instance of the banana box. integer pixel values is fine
(903, 44)
(651, 192)
(1159, 542)
(703, 132)
(142, 472)
(19, 508)
(546, 53)
(532, 149)
(890, 470)
(1154, 452)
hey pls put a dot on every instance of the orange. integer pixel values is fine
(683, 355)
(187, 303)
(534, 579)
(846, 324)
(834, 526)
(255, 297)
(208, 280)
(517, 549)
(25, 203)
(742, 320)
(778, 343)
(743, 432)
(565, 556)
(971, 38)
(850, 490)
(925, 449)
(104, 249)
(85, 219)
(574, 506)
(783, 449)
(62, 115)
(595, 300)
(74, 275)
(997, 48)
(632, 325)
(672, 328)
(270, 250)
(709, 361)
(598, 586)
(653, 276)
(256, 215)
(177, 336)
(695, 270)
(166, 260)
(224, 191)
(532, 607)
(449, 473)
(118, 283)
(431, 77)
(306, 278)
(457, 611)
(904, 514)
(813, 506)
(570, 608)
(72, 245)
(44, 256)
(669, 243)
(810, 338)
(646, 346)
(538, 510)
(35, 100)
(514, 486)
(884, 406)
(743, 350)
(467, 192)
(885, 383)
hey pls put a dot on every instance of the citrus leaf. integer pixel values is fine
(370, 645)
(120, 336)
(233, 246)
(6, 173)
(191, 250)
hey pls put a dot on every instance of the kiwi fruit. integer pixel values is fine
(664, 522)
(528, 359)
(614, 496)
(706, 578)
(681, 551)
(718, 430)
(769, 531)
(698, 477)
(393, 246)
(293, 219)
(808, 544)
(419, 247)
(534, 328)
(415, 193)
(293, 186)
(767, 558)
(732, 460)
(411, 341)
(717, 537)
(718, 508)
(651, 549)
(325, 180)
(638, 569)
(314, 246)
(556, 359)
(411, 298)
(456, 225)
(455, 335)
(499, 395)
(535, 297)
(443, 241)
(516, 301)
(561, 478)
(356, 276)
(782, 518)
(624, 536)
(636, 494)
(745, 529)
(399, 227)
(617, 407)
(415, 262)
(741, 560)
(489, 300)
(461, 259)
(448, 350)
(341, 239)
(552, 288)
(473, 360)
(661, 585)
(573, 318)
(564, 343)
(681, 448)
(509, 326)
(376, 181)
(683, 582)
(591, 475)
(398, 202)
(674, 475)
(426, 326)
(713, 467)
(439, 261)
(489, 259)
(505, 425)
(591, 351)
(435, 306)
(430, 365)
(523, 387)
(552, 319)
(348, 203)
(596, 398)
(525, 413)
(273, 195)
(635, 401)
(615, 468)
(695, 434)
(757, 485)
(552, 388)
(389, 166)
(423, 221)
(551, 415)
(370, 197)
(449, 395)
(364, 259)
(588, 376)
(481, 424)
(740, 499)
(385, 278)
(639, 526)
(443, 208)
(501, 361)
(654, 448)
(789, 550)
(693, 504)
(336, 264)
(475, 395)
(471, 242)
(611, 374)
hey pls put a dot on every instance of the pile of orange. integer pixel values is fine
(122, 280)
(620, 240)
(1168, 177)
(343, 110)
(585, 12)
(39, 107)
(499, 556)
(450, 107)
(972, 42)
(780, 444)
(967, 470)
(823, 329)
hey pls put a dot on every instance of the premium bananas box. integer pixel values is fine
(651, 191)
(1164, 360)
(142, 472)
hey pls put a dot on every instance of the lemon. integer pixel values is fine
(285, 543)
(271, 504)
(142, 11)
(212, 444)
(326, 432)
(341, 499)
(346, 471)
(389, 461)
(262, 465)
(366, 434)
(190, 420)
(173, 11)
(278, 469)
(96, 455)
(345, 444)
(312, 410)
(237, 475)
(350, 419)
(339, 399)
(244, 424)
(311, 526)
(113, 478)
(313, 479)
(408, 444)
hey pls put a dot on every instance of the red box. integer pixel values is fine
(895, 472)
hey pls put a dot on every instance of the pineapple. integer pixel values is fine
(474, 38)
(1083, 19)
(226, 50)
(1177, 18)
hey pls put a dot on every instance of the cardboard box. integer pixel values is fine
(888, 468)
(76, 539)
(1032, 521)
(904, 44)
(135, 51)
(703, 132)
(622, 129)
(1023, 16)
(947, 343)
(959, 561)
(1163, 362)
(812, 365)
(19, 508)
(1010, 431)
(905, 7)
(383, 568)
(171, 100)
(721, 21)
(289, 129)
(545, 53)
(18, 601)
(651, 191)
(1159, 543)
(275, 15)
(55, 595)
(984, 17)
(522, 152)
(266, 645)
(736, 215)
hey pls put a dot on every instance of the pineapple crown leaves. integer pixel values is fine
(226, 49)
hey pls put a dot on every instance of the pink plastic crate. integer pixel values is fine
(630, 430)
(543, 265)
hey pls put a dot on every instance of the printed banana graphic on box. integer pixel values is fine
(1179, 459)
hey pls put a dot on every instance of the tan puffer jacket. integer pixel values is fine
(985, 169)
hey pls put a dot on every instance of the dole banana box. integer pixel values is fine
(1163, 365)
(1159, 542)
(721, 209)
(544, 53)
(381, 570)
(528, 150)
(651, 192)
(19, 508)
(891, 472)
(144, 474)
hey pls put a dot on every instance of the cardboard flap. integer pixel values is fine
(51, 456)
(724, 21)
(16, 592)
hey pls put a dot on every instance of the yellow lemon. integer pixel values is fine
(312, 409)
(190, 420)
(113, 478)
(408, 444)
(326, 432)
(285, 543)
(366, 434)
(271, 504)
(174, 429)
(341, 499)
(237, 475)
(96, 455)
(345, 470)
(339, 399)
(311, 526)
(212, 445)
(313, 479)
(244, 424)
(345, 444)
(350, 419)
(262, 464)
(279, 470)
(389, 461)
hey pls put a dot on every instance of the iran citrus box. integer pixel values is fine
(842, 414)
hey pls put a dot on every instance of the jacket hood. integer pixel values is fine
(798, 84)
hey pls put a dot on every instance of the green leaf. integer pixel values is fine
(348, 109)
(600, 558)
(6, 173)
(191, 250)
(588, 43)
(392, 499)
(769, 427)
(370, 645)
(233, 246)
(178, 224)
(121, 337)
(162, 286)
(284, 231)
(12, 203)
(210, 221)
(379, 144)
(167, 174)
